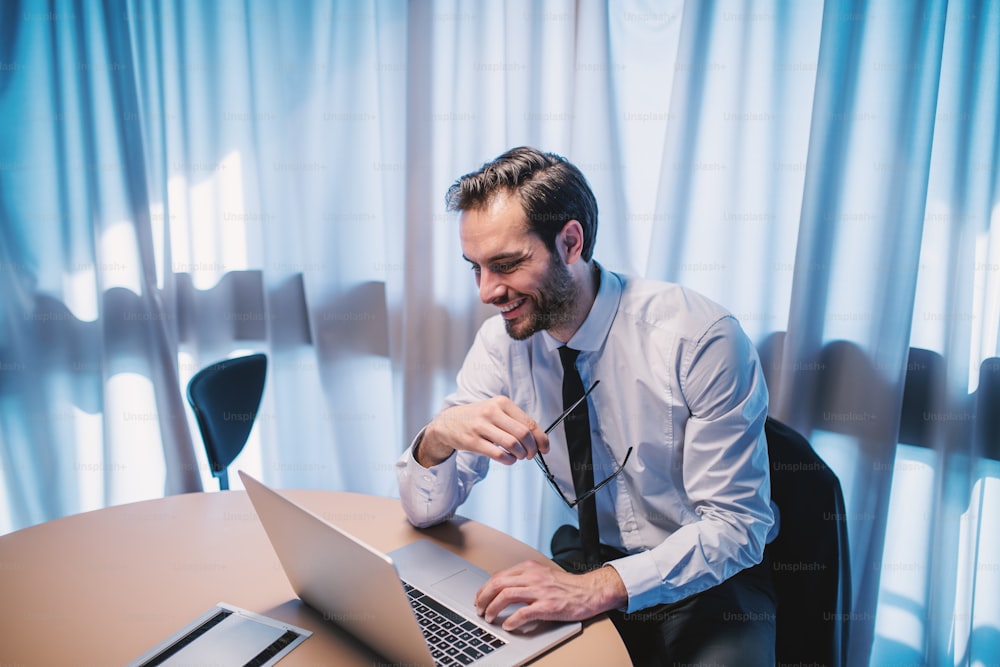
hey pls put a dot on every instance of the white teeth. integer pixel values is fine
(510, 307)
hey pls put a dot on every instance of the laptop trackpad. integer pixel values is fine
(461, 586)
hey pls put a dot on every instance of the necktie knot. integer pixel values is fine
(568, 357)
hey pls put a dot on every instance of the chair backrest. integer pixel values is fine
(225, 397)
(810, 563)
(987, 441)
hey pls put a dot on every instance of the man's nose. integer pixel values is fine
(490, 287)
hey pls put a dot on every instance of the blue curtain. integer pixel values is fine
(183, 181)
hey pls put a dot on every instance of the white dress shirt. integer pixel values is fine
(681, 383)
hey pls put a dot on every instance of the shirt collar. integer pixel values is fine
(594, 330)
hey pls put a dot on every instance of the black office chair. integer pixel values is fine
(225, 397)
(987, 433)
(810, 563)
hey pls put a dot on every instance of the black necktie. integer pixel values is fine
(581, 461)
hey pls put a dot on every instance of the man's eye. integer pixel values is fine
(506, 267)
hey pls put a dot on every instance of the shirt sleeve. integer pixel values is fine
(431, 495)
(725, 473)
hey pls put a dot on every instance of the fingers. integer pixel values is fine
(514, 587)
(510, 428)
(539, 436)
(497, 428)
(530, 592)
(510, 435)
(498, 605)
(523, 618)
(497, 583)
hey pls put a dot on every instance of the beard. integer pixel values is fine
(552, 307)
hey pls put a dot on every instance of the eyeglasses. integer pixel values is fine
(548, 474)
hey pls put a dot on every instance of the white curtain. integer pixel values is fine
(183, 181)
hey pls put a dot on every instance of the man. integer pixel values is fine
(677, 453)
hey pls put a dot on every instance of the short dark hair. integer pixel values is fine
(551, 189)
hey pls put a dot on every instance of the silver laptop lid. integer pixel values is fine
(367, 598)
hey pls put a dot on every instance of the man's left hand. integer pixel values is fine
(549, 594)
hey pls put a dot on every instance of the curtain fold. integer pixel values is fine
(184, 181)
(858, 247)
(957, 315)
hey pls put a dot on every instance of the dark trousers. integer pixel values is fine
(730, 624)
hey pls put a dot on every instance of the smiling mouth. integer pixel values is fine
(511, 307)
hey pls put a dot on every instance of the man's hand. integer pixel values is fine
(495, 427)
(549, 594)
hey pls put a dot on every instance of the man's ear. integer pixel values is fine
(571, 241)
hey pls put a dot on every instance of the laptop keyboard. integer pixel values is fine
(453, 640)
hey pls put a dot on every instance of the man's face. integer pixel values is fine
(515, 271)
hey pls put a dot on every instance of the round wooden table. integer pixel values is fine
(104, 587)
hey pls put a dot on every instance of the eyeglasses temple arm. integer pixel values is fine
(567, 411)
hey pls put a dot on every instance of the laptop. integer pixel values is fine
(399, 603)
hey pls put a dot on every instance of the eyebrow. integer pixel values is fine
(502, 258)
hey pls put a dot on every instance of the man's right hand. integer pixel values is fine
(496, 428)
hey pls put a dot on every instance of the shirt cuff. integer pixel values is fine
(641, 576)
(426, 493)
(429, 479)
